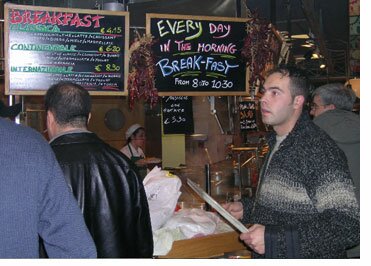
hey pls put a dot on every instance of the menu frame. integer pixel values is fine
(200, 92)
(124, 51)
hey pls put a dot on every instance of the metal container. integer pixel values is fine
(191, 205)
(218, 176)
(114, 6)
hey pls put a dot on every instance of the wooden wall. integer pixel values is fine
(33, 115)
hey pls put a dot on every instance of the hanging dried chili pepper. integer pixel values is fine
(141, 79)
(256, 49)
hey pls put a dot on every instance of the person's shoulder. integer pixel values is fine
(338, 115)
(125, 148)
(317, 134)
(338, 122)
(115, 159)
(22, 144)
(11, 131)
(350, 116)
(126, 151)
(115, 155)
(319, 147)
(313, 136)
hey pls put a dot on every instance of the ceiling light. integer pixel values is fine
(322, 66)
(284, 33)
(310, 41)
(308, 45)
(300, 36)
(299, 59)
(315, 56)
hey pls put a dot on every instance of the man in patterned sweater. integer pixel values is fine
(305, 205)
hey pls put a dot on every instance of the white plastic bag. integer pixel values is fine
(162, 190)
(193, 222)
(163, 240)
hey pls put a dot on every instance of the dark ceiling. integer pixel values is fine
(326, 21)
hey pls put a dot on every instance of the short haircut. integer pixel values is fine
(337, 94)
(70, 103)
(299, 82)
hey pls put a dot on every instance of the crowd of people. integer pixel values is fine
(78, 197)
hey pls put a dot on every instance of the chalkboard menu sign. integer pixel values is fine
(46, 45)
(198, 55)
(177, 115)
(248, 116)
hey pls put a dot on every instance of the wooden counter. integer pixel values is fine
(206, 247)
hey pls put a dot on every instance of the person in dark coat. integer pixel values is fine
(103, 180)
(10, 111)
(332, 106)
(305, 205)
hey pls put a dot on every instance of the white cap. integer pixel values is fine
(131, 130)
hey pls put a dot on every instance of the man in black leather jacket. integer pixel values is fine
(103, 180)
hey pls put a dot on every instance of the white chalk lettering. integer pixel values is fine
(177, 27)
(220, 29)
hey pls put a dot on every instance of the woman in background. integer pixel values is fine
(135, 142)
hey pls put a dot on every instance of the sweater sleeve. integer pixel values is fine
(247, 204)
(307, 201)
(336, 225)
(329, 231)
(61, 224)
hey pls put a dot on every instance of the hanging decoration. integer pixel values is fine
(257, 50)
(141, 79)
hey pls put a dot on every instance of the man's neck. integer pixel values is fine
(288, 126)
(134, 146)
(283, 130)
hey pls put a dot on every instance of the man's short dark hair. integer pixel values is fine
(299, 82)
(69, 102)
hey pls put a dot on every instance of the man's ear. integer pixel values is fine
(330, 107)
(50, 124)
(49, 116)
(299, 101)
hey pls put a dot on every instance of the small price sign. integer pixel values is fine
(177, 115)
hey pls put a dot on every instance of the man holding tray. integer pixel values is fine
(305, 205)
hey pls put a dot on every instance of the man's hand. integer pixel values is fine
(255, 238)
(234, 208)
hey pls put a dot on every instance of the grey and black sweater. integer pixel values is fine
(305, 198)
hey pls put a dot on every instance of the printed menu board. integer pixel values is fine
(247, 111)
(177, 115)
(198, 55)
(46, 45)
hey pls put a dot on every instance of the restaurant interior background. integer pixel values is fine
(323, 36)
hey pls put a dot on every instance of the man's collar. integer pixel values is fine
(77, 130)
